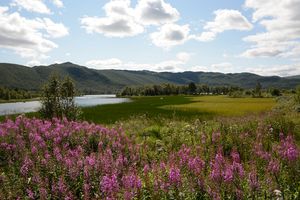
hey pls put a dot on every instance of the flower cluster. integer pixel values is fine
(62, 159)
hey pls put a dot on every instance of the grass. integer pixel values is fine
(149, 106)
(225, 106)
(177, 108)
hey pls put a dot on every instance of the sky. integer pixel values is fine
(258, 36)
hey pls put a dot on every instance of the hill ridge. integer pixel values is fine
(90, 80)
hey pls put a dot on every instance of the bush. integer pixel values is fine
(275, 92)
(58, 99)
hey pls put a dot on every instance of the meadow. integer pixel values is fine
(225, 106)
(178, 108)
(167, 147)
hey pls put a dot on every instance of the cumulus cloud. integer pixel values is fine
(37, 6)
(58, 3)
(27, 37)
(170, 35)
(55, 30)
(112, 27)
(224, 20)
(279, 70)
(168, 65)
(122, 20)
(184, 56)
(222, 66)
(119, 21)
(107, 63)
(156, 12)
(281, 20)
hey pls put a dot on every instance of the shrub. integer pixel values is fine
(58, 99)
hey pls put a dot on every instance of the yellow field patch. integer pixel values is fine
(223, 105)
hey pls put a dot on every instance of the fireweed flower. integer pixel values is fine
(288, 150)
(274, 166)
(238, 169)
(146, 169)
(253, 181)
(109, 184)
(228, 174)
(43, 193)
(30, 193)
(27, 164)
(235, 156)
(132, 181)
(174, 176)
(196, 164)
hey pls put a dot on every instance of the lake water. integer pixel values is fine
(82, 101)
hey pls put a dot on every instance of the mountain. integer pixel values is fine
(109, 81)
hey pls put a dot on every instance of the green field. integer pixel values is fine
(224, 106)
(177, 107)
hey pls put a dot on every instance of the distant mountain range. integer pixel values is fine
(110, 81)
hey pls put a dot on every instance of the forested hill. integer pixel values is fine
(109, 81)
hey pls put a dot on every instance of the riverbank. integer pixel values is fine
(19, 100)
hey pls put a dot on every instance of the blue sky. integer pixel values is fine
(160, 35)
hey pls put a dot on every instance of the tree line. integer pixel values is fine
(172, 89)
(9, 94)
(193, 89)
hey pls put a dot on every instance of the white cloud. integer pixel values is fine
(118, 23)
(37, 6)
(279, 70)
(112, 27)
(184, 56)
(26, 36)
(205, 36)
(281, 20)
(122, 20)
(55, 30)
(168, 65)
(58, 3)
(222, 66)
(156, 12)
(170, 35)
(224, 20)
(102, 64)
(33, 63)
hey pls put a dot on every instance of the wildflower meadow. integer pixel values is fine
(61, 159)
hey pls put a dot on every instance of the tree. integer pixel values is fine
(297, 95)
(275, 92)
(258, 88)
(192, 88)
(58, 99)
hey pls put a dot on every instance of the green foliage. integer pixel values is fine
(172, 89)
(257, 92)
(297, 95)
(58, 99)
(192, 88)
(275, 92)
(15, 94)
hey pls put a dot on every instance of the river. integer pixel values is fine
(82, 101)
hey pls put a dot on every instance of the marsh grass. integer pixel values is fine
(148, 106)
(225, 106)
